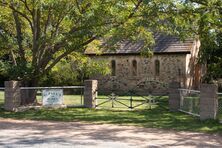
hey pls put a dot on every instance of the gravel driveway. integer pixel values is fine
(25, 133)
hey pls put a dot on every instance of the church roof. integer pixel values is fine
(163, 44)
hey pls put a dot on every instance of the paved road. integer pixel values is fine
(24, 133)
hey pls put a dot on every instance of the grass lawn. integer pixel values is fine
(157, 117)
(1, 97)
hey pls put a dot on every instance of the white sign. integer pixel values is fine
(52, 97)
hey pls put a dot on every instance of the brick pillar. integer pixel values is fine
(90, 93)
(12, 95)
(174, 96)
(208, 101)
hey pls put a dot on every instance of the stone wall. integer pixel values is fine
(90, 93)
(12, 95)
(208, 101)
(174, 96)
(172, 68)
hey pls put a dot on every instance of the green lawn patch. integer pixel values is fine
(1, 98)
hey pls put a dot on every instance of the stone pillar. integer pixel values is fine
(12, 95)
(90, 93)
(208, 101)
(174, 96)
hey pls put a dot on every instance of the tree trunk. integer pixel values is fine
(28, 96)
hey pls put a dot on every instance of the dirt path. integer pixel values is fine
(24, 133)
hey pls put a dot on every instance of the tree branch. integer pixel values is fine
(19, 35)
(13, 57)
(135, 9)
(22, 14)
(67, 53)
(36, 35)
(26, 5)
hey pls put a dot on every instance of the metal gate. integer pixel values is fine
(144, 94)
(190, 101)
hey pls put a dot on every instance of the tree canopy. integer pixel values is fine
(37, 34)
(209, 28)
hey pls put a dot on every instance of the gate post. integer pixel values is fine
(174, 96)
(208, 101)
(12, 95)
(90, 93)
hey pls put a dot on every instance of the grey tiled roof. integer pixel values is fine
(163, 44)
(166, 43)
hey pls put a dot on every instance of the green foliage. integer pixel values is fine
(202, 19)
(211, 54)
(60, 75)
(3, 72)
(39, 34)
(146, 53)
(73, 70)
(3, 67)
(208, 17)
(86, 67)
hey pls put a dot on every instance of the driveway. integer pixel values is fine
(25, 133)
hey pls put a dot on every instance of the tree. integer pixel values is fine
(200, 19)
(209, 28)
(211, 55)
(39, 33)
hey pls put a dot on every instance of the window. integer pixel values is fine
(179, 72)
(134, 69)
(157, 67)
(113, 66)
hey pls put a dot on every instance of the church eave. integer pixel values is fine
(127, 54)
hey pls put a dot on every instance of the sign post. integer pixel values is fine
(52, 97)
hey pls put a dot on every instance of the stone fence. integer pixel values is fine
(208, 97)
(208, 103)
(14, 94)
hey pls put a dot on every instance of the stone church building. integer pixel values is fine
(173, 60)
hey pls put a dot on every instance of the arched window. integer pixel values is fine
(179, 72)
(113, 66)
(134, 68)
(157, 67)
